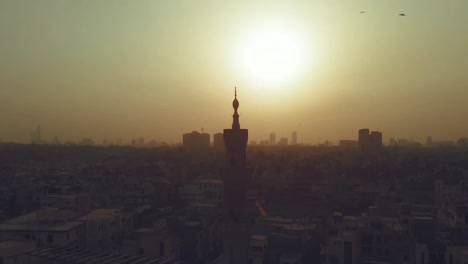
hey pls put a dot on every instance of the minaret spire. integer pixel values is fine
(235, 117)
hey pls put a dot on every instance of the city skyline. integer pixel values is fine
(215, 139)
(157, 70)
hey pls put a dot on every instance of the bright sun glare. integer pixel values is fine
(273, 55)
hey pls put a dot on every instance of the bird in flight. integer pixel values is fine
(402, 14)
(363, 12)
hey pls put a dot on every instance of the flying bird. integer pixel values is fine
(402, 14)
(363, 12)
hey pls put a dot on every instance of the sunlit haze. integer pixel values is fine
(272, 55)
(157, 69)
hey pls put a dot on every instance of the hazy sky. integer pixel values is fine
(157, 69)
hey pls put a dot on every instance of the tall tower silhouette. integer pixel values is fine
(236, 176)
(235, 139)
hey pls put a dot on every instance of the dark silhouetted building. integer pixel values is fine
(294, 138)
(86, 142)
(55, 141)
(196, 140)
(218, 141)
(429, 141)
(283, 141)
(349, 144)
(272, 138)
(36, 136)
(363, 136)
(236, 177)
(370, 142)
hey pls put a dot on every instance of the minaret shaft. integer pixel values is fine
(236, 176)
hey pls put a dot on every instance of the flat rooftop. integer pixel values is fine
(211, 181)
(74, 255)
(100, 214)
(12, 243)
(51, 227)
(258, 237)
(28, 222)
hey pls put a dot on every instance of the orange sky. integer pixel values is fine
(157, 69)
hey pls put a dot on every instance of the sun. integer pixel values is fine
(272, 55)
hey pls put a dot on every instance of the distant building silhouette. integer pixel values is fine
(39, 133)
(429, 141)
(376, 139)
(86, 142)
(462, 142)
(36, 136)
(294, 138)
(55, 141)
(283, 141)
(370, 142)
(363, 137)
(272, 138)
(349, 144)
(218, 141)
(196, 140)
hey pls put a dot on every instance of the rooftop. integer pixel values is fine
(74, 255)
(28, 222)
(12, 243)
(211, 181)
(99, 214)
(258, 237)
(57, 227)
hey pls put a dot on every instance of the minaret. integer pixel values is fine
(236, 177)
(235, 139)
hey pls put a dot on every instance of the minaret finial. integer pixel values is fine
(235, 105)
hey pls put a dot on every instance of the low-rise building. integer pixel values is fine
(46, 227)
(11, 251)
(105, 228)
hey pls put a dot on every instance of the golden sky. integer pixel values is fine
(113, 68)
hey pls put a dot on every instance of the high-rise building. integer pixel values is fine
(36, 136)
(294, 138)
(272, 138)
(39, 133)
(429, 141)
(375, 138)
(363, 137)
(218, 141)
(236, 177)
(196, 140)
(370, 142)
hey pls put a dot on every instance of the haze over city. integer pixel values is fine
(157, 69)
